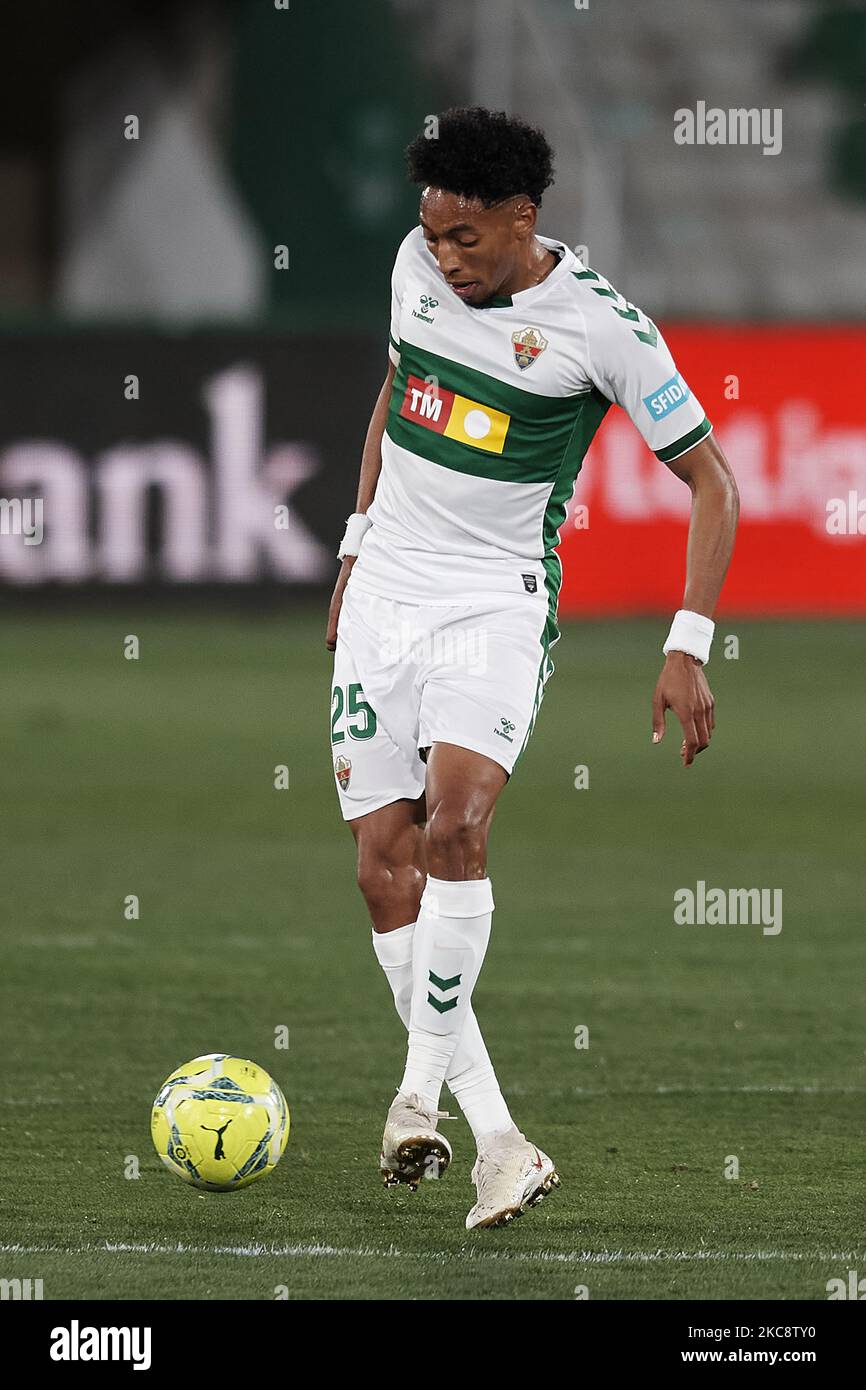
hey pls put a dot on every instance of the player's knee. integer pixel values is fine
(385, 886)
(456, 831)
(375, 882)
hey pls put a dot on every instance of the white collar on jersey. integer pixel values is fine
(528, 296)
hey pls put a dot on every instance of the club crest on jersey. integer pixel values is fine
(343, 771)
(528, 344)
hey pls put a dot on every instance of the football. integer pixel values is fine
(220, 1122)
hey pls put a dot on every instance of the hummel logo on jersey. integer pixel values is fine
(427, 307)
(454, 416)
(507, 729)
(669, 397)
(528, 344)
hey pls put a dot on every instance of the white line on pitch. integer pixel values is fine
(318, 1251)
(686, 1090)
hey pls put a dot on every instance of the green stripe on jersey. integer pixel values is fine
(595, 407)
(545, 433)
(545, 669)
(688, 441)
(479, 386)
(554, 516)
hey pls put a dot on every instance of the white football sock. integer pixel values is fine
(476, 1089)
(470, 1076)
(394, 954)
(449, 945)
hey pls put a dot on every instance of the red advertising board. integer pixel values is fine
(788, 406)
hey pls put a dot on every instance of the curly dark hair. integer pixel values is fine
(482, 154)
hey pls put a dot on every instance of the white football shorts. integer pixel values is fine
(407, 676)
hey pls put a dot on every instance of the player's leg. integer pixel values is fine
(391, 876)
(380, 782)
(477, 720)
(391, 869)
(390, 845)
(463, 791)
(453, 927)
(451, 936)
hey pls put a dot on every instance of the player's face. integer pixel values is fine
(478, 249)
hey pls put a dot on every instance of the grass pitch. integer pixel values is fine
(707, 1044)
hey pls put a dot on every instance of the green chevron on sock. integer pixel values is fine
(439, 1006)
(444, 984)
(448, 947)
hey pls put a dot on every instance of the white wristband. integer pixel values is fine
(356, 527)
(691, 633)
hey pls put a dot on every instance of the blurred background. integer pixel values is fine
(201, 205)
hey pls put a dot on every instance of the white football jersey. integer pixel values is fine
(491, 413)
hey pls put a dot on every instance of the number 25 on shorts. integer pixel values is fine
(355, 708)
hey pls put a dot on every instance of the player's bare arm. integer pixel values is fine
(682, 685)
(371, 466)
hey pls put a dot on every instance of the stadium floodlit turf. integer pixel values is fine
(707, 1044)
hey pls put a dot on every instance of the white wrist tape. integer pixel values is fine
(356, 527)
(691, 633)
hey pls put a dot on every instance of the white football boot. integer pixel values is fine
(411, 1147)
(510, 1174)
